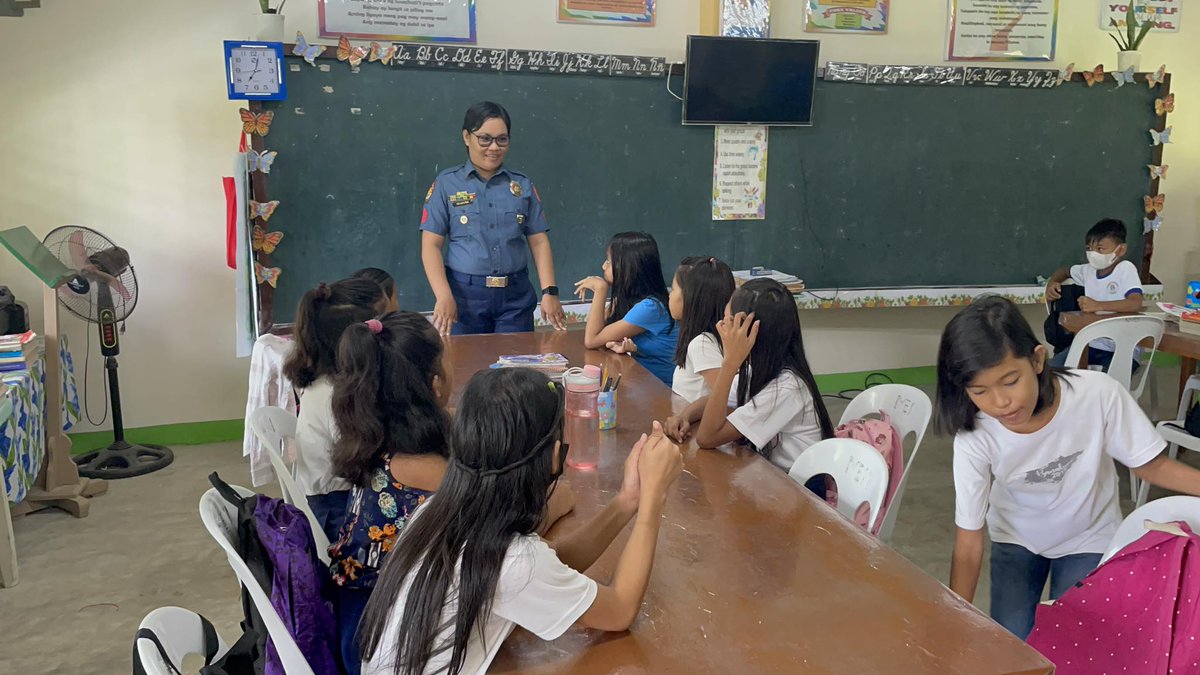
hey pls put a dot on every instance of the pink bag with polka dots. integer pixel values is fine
(1137, 613)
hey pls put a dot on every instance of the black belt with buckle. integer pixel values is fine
(489, 281)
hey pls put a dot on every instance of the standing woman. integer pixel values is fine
(489, 213)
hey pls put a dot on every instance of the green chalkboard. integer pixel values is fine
(893, 185)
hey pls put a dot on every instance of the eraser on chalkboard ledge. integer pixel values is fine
(761, 271)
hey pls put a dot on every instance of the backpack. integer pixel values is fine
(237, 661)
(881, 435)
(251, 647)
(1060, 338)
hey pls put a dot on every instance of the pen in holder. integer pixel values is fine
(606, 407)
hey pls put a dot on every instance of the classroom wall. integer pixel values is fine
(128, 131)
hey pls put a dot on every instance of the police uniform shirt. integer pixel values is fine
(487, 222)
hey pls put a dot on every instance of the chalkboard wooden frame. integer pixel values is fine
(266, 309)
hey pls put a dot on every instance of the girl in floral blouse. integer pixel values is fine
(389, 400)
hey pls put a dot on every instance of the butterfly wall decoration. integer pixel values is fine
(1154, 204)
(382, 54)
(309, 52)
(260, 161)
(346, 52)
(1094, 76)
(1157, 77)
(256, 123)
(267, 275)
(263, 210)
(1160, 137)
(264, 241)
(1164, 105)
(1123, 77)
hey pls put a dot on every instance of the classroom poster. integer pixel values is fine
(740, 173)
(846, 16)
(398, 20)
(611, 12)
(1002, 30)
(1166, 14)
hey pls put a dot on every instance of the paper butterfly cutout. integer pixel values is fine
(1158, 171)
(260, 161)
(263, 210)
(381, 53)
(1154, 204)
(267, 275)
(1065, 74)
(1151, 225)
(309, 52)
(1161, 137)
(256, 123)
(1156, 78)
(264, 241)
(1094, 75)
(1164, 105)
(354, 55)
(1123, 78)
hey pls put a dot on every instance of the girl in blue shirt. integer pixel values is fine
(638, 320)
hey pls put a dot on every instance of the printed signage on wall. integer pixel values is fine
(1002, 30)
(869, 17)
(1166, 14)
(611, 12)
(396, 20)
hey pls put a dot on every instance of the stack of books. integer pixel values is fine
(17, 351)
(790, 281)
(1189, 322)
(550, 364)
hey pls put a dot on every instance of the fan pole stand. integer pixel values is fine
(121, 459)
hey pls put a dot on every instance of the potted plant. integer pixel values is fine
(1129, 56)
(269, 25)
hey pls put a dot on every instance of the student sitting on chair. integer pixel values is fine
(699, 294)
(1109, 283)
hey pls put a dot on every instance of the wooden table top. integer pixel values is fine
(1173, 340)
(753, 574)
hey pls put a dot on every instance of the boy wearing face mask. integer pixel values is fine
(1109, 283)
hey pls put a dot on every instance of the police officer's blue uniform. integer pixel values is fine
(486, 223)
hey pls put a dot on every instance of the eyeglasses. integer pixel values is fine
(486, 141)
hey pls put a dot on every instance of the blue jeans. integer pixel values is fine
(1096, 357)
(1019, 576)
(330, 511)
(349, 605)
(483, 310)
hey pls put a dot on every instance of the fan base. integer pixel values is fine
(124, 460)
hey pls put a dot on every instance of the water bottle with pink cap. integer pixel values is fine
(582, 418)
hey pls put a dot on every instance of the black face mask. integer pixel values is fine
(556, 433)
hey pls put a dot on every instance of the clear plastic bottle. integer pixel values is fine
(582, 419)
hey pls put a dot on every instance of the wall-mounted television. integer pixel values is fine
(749, 81)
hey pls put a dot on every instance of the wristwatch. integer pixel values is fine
(550, 290)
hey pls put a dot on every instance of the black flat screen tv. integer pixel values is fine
(749, 81)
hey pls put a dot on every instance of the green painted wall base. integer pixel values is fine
(196, 433)
(170, 435)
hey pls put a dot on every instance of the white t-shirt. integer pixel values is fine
(1116, 285)
(781, 420)
(703, 353)
(535, 591)
(1054, 491)
(316, 432)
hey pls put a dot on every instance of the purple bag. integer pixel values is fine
(297, 587)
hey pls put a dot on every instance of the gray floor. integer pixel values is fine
(86, 583)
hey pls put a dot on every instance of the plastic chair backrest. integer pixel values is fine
(858, 469)
(910, 410)
(1126, 332)
(1165, 510)
(179, 631)
(220, 518)
(273, 426)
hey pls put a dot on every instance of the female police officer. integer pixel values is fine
(489, 213)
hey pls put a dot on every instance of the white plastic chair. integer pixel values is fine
(857, 468)
(1165, 510)
(273, 427)
(1173, 431)
(910, 410)
(220, 517)
(179, 632)
(1126, 332)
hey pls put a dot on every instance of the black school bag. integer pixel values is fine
(1060, 338)
(248, 655)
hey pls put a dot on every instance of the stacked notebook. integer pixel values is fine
(17, 351)
(790, 281)
(550, 364)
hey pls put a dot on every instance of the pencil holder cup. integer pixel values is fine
(606, 407)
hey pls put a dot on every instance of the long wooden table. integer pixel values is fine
(1183, 345)
(753, 573)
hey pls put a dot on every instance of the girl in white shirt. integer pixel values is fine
(1033, 459)
(470, 566)
(699, 293)
(776, 405)
(324, 312)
